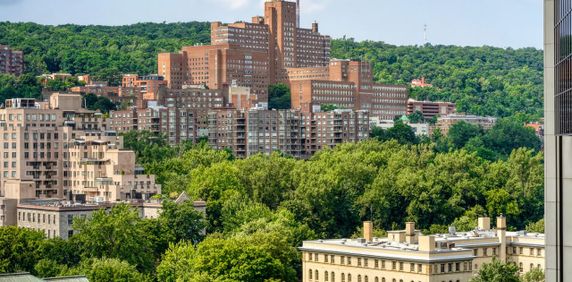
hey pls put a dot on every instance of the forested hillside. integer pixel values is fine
(103, 51)
(482, 80)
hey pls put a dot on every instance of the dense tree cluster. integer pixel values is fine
(102, 51)
(24, 86)
(489, 144)
(115, 245)
(261, 208)
(497, 271)
(338, 188)
(279, 96)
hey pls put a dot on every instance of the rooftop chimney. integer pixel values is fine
(410, 236)
(484, 223)
(501, 222)
(409, 228)
(368, 231)
(314, 27)
(426, 243)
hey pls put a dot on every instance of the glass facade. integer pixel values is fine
(563, 66)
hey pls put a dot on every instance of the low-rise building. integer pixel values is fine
(55, 218)
(430, 109)
(444, 123)
(66, 151)
(407, 255)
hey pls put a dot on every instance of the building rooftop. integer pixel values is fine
(27, 277)
(411, 244)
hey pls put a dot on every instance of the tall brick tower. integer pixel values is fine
(281, 18)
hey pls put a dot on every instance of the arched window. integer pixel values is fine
(317, 275)
(310, 273)
(376, 279)
(325, 275)
(349, 277)
(359, 278)
(366, 279)
(333, 277)
(343, 277)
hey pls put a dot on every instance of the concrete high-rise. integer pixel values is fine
(558, 138)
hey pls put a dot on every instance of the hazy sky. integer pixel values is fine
(503, 23)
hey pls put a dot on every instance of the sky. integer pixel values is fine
(501, 23)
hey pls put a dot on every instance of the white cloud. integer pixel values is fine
(312, 6)
(234, 4)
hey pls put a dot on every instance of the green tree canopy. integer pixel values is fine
(497, 271)
(115, 234)
(279, 96)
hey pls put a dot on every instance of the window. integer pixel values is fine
(476, 252)
(310, 258)
(520, 267)
(411, 267)
(342, 260)
(358, 264)
(326, 278)
(359, 278)
(70, 233)
(376, 264)
(333, 276)
(365, 262)
(310, 273)
(400, 266)
(325, 258)
(317, 275)
(343, 277)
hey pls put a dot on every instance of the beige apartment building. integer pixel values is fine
(64, 151)
(445, 123)
(408, 256)
(100, 171)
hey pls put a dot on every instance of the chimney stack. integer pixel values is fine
(410, 236)
(368, 231)
(427, 243)
(484, 223)
(501, 234)
(314, 27)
